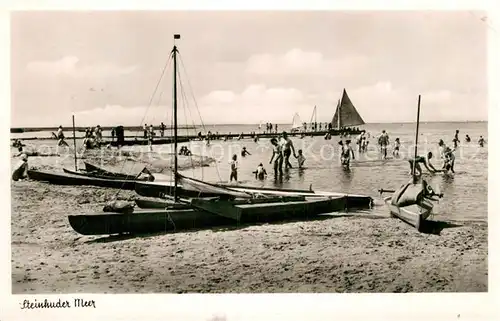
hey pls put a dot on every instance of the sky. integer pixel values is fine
(246, 67)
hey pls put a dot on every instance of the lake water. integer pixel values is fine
(465, 193)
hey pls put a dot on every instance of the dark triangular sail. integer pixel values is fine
(349, 116)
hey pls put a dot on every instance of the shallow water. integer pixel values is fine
(465, 193)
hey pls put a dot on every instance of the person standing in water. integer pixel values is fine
(449, 157)
(455, 139)
(277, 157)
(234, 169)
(347, 152)
(162, 129)
(301, 159)
(287, 149)
(481, 141)
(383, 141)
(60, 137)
(397, 144)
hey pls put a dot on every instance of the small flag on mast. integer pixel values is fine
(177, 36)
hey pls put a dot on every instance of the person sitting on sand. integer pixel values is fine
(277, 157)
(426, 161)
(260, 172)
(21, 168)
(467, 138)
(234, 169)
(244, 152)
(301, 159)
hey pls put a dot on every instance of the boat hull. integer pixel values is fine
(272, 211)
(103, 176)
(413, 215)
(145, 221)
(70, 179)
(206, 214)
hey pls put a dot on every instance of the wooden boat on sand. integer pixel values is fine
(415, 215)
(72, 179)
(206, 213)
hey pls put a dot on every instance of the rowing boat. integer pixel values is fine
(415, 215)
(72, 179)
(99, 175)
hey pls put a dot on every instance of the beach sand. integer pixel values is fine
(356, 253)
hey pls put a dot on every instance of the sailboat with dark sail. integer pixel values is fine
(346, 114)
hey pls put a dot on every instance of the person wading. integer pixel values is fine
(287, 148)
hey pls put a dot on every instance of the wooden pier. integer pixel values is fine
(140, 140)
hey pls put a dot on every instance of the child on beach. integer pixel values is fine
(234, 169)
(301, 159)
(260, 173)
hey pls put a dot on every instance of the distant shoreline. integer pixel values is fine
(140, 128)
(14, 130)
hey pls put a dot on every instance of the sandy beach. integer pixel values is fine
(348, 253)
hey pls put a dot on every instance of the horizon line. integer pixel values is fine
(246, 124)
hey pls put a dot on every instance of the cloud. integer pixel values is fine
(380, 102)
(72, 67)
(299, 62)
(254, 104)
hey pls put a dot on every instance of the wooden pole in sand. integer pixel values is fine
(416, 140)
(74, 141)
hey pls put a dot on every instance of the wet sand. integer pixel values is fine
(348, 253)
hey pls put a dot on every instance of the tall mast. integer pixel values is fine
(74, 141)
(416, 141)
(174, 54)
(338, 113)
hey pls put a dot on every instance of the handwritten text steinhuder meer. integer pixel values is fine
(46, 304)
